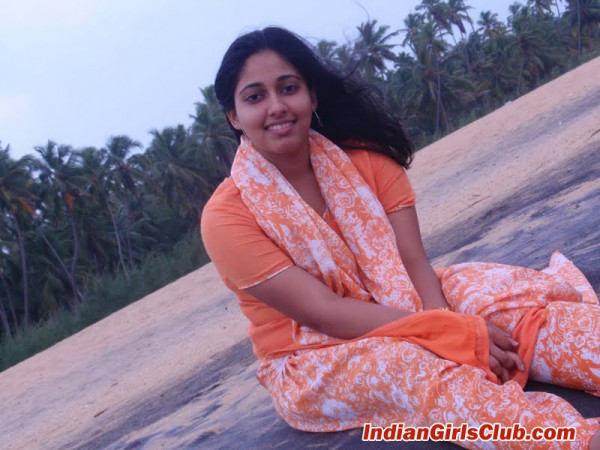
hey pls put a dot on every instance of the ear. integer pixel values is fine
(233, 118)
(313, 99)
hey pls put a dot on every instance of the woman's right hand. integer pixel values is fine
(503, 356)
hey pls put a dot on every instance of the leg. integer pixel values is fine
(385, 381)
(567, 351)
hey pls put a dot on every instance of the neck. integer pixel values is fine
(292, 166)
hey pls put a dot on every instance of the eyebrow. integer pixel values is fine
(280, 78)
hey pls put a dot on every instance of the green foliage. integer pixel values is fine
(105, 295)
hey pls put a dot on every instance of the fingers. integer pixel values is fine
(517, 361)
(503, 359)
(501, 338)
(499, 370)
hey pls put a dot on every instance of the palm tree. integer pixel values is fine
(584, 17)
(175, 174)
(4, 319)
(212, 139)
(326, 50)
(98, 186)
(413, 23)
(532, 44)
(15, 202)
(458, 14)
(373, 49)
(541, 7)
(490, 26)
(121, 177)
(430, 49)
(437, 11)
(59, 184)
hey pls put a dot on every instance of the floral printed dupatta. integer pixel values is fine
(364, 265)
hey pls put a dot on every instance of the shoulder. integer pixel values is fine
(226, 194)
(373, 165)
(371, 160)
(224, 209)
(386, 178)
(226, 200)
(239, 248)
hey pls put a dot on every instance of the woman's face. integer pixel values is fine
(273, 106)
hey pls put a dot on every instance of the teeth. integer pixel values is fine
(280, 126)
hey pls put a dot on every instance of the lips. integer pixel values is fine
(280, 126)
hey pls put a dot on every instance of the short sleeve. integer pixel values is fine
(387, 179)
(235, 243)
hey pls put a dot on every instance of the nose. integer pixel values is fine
(277, 105)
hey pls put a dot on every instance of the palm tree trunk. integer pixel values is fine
(128, 230)
(579, 44)
(117, 236)
(128, 243)
(4, 319)
(438, 99)
(75, 253)
(467, 60)
(25, 275)
(96, 265)
(63, 266)
(11, 303)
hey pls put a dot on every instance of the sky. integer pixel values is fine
(79, 71)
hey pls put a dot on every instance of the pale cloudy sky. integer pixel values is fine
(79, 71)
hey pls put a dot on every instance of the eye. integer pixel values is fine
(290, 88)
(253, 97)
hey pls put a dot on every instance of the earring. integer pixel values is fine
(319, 122)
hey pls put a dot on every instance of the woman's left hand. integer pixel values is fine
(503, 356)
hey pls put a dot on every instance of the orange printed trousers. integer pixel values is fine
(383, 380)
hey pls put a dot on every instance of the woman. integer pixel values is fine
(317, 234)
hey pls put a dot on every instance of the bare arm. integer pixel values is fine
(410, 245)
(503, 358)
(302, 297)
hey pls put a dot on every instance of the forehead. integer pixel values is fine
(264, 67)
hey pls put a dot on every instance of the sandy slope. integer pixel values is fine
(160, 373)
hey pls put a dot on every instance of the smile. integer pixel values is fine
(280, 126)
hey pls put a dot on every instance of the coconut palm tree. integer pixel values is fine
(531, 40)
(459, 14)
(542, 8)
(59, 181)
(211, 138)
(6, 301)
(584, 18)
(373, 48)
(431, 48)
(174, 173)
(123, 178)
(490, 26)
(326, 50)
(412, 23)
(99, 190)
(16, 206)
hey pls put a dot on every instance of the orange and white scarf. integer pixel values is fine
(367, 265)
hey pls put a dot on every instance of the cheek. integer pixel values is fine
(250, 117)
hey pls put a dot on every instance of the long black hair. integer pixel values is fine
(350, 115)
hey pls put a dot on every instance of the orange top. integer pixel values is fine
(244, 256)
